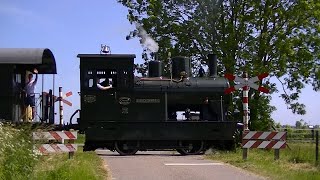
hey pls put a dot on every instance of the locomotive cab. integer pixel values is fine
(99, 105)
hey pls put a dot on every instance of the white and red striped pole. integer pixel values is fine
(245, 102)
(60, 106)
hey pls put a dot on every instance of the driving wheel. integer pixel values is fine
(190, 147)
(124, 148)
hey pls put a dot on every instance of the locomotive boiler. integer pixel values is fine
(180, 112)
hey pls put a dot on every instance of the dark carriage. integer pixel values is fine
(155, 112)
(15, 65)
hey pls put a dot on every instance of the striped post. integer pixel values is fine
(60, 106)
(245, 102)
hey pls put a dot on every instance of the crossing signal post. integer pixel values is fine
(246, 83)
(61, 99)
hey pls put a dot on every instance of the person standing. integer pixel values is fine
(29, 88)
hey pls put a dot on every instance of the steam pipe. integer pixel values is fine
(70, 121)
(158, 79)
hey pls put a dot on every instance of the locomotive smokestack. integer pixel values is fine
(212, 63)
(154, 68)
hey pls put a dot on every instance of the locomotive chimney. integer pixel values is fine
(154, 66)
(212, 63)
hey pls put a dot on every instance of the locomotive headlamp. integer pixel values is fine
(105, 49)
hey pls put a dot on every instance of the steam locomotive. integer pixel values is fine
(180, 112)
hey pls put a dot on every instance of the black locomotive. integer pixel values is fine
(152, 113)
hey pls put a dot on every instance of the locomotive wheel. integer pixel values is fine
(122, 148)
(193, 147)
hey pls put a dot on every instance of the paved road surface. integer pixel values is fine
(161, 165)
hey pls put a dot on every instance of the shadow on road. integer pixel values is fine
(139, 153)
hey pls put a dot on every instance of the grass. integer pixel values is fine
(80, 139)
(84, 165)
(296, 162)
(18, 161)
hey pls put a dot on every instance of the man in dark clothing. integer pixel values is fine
(104, 85)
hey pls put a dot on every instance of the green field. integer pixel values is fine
(296, 162)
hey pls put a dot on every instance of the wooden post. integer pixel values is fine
(244, 153)
(71, 141)
(317, 146)
(312, 134)
(276, 154)
(71, 155)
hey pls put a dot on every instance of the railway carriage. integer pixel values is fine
(15, 65)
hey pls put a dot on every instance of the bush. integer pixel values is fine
(17, 158)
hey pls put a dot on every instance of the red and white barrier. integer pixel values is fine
(55, 135)
(56, 148)
(59, 136)
(263, 144)
(265, 135)
(264, 140)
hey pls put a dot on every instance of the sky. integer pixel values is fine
(69, 28)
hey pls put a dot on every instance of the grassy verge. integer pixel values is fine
(80, 139)
(296, 162)
(18, 161)
(84, 165)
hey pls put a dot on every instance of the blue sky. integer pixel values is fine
(72, 27)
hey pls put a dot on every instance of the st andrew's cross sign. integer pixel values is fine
(246, 82)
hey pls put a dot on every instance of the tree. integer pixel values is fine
(298, 124)
(301, 124)
(281, 37)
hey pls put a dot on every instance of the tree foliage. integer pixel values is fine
(277, 36)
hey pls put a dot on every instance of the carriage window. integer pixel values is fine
(18, 78)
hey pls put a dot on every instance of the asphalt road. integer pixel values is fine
(162, 165)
